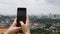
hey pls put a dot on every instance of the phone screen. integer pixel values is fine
(21, 15)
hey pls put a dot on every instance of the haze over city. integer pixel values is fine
(34, 7)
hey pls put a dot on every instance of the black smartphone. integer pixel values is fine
(21, 16)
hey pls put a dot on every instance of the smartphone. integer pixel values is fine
(21, 16)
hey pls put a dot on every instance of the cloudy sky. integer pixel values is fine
(34, 7)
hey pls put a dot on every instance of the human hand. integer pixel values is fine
(13, 28)
(25, 27)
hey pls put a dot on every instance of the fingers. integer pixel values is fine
(21, 22)
(14, 23)
(24, 27)
(27, 20)
(15, 29)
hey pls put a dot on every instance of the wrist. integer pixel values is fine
(27, 32)
(7, 32)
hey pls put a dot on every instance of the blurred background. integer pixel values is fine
(44, 15)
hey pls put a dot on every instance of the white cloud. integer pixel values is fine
(7, 7)
(35, 7)
(53, 2)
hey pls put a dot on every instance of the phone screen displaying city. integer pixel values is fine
(21, 15)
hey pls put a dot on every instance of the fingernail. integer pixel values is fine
(21, 22)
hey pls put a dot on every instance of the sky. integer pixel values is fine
(34, 7)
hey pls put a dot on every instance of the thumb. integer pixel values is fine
(21, 22)
(15, 29)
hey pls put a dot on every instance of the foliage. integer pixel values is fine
(41, 31)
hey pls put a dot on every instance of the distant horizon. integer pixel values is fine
(30, 15)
